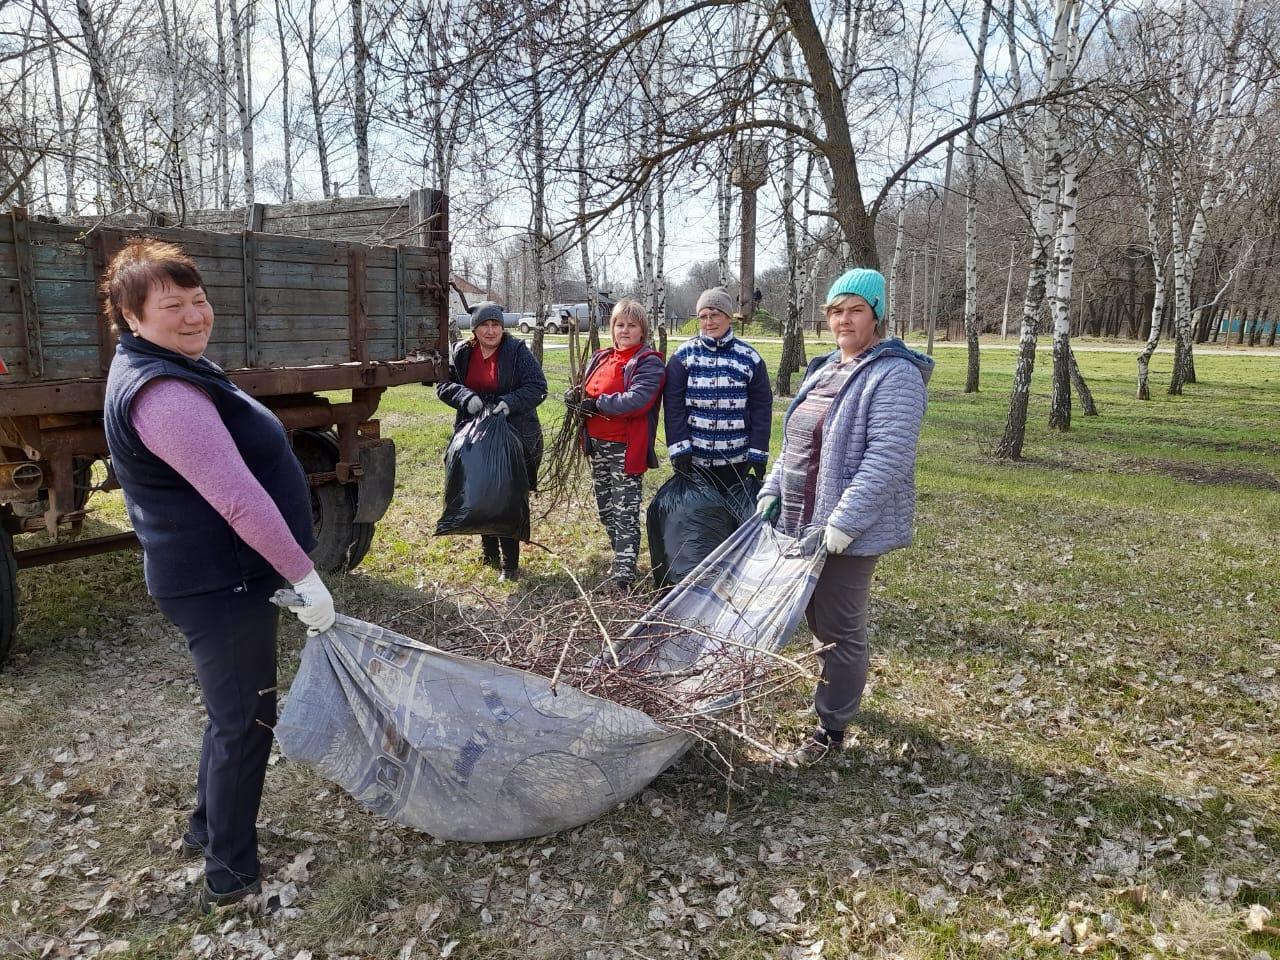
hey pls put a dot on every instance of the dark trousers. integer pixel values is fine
(232, 638)
(509, 547)
(837, 616)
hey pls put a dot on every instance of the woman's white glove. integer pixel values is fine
(474, 405)
(837, 539)
(316, 610)
(767, 506)
(502, 408)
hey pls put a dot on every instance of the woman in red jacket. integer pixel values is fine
(620, 397)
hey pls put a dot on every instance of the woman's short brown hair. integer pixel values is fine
(140, 265)
(627, 307)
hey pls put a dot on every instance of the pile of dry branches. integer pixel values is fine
(701, 685)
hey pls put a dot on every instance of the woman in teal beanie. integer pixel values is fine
(848, 465)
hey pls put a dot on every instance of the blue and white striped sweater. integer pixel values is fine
(718, 405)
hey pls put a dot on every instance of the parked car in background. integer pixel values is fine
(463, 320)
(562, 315)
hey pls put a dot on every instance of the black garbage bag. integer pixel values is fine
(486, 481)
(689, 517)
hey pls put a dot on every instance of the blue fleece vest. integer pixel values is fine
(187, 547)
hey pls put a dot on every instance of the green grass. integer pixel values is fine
(1071, 725)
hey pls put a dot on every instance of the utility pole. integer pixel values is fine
(750, 170)
(937, 267)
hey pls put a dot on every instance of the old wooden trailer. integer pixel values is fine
(295, 317)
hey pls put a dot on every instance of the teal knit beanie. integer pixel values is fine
(868, 284)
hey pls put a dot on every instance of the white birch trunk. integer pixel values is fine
(317, 105)
(971, 206)
(239, 33)
(584, 246)
(724, 209)
(1064, 258)
(913, 90)
(286, 119)
(1157, 304)
(1011, 441)
(360, 102)
(1212, 194)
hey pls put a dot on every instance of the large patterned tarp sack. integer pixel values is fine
(466, 749)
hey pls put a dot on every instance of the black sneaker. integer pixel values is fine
(509, 575)
(210, 899)
(490, 561)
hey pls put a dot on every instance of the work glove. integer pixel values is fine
(474, 405)
(836, 539)
(756, 470)
(589, 407)
(316, 609)
(502, 408)
(683, 463)
(768, 507)
(573, 397)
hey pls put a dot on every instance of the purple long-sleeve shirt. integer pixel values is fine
(179, 424)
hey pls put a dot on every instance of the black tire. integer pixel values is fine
(341, 543)
(8, 596)
(526, 327)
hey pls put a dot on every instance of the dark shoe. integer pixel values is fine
(209, 898)
(619, 585)
(509, 575)
(489, 561)
(191, 847)
(816, 747)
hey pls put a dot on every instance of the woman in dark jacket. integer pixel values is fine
(620, 397)
(492, 368)
(223, 511)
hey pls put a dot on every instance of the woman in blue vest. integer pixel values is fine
(223, 512)
(492, 368)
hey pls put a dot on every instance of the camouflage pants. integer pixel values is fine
(618, 499)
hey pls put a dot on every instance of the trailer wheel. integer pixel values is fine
(8, 595)
(341, 543)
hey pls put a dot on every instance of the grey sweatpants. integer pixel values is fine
(837, 616)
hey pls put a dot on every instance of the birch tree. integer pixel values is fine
(971, 205)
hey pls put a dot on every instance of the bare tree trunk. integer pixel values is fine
(850, 210)
(1065, 249)
(588, 275)
(360, 103)
(224, 89)
(971, 207)
(66, 143)
(540, 249)
(286, 119)
(239, 34)
(913, 89)
(1041, 229)
(317, 107)
(724, 209)
(1157, 307)
(110, 126)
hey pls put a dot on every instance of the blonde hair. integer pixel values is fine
(633, 310)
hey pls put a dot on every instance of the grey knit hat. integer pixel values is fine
(484, 312)
(717, 298)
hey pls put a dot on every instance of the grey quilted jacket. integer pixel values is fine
(867, 465)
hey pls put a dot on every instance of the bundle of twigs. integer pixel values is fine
(577, 640)
(563, 465)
